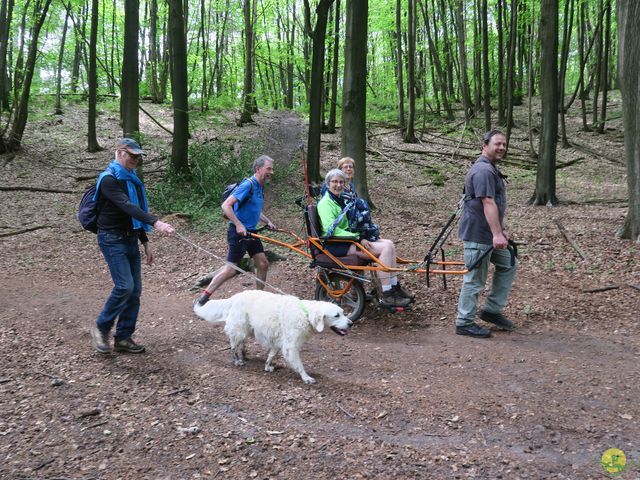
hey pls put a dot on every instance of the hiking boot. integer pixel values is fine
(391, 298)
(127, 345)
(403, 293)
(100, 340)
(473, 330)
(202, 299)
(498, 320)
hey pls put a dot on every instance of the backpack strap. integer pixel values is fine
(250, 191)
(335, 223)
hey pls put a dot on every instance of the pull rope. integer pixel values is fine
(232, 265)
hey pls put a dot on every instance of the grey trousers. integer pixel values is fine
(474, 282)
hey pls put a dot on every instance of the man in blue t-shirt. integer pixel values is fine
(244, 210)
(482, 228)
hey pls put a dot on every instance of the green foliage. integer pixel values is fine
(437, 177)
(213, 166)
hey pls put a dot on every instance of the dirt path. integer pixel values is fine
(400, 397)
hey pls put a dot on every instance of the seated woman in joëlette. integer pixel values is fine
(334, 223)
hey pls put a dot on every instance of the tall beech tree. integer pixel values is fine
(315, 92)
(129, 93)
(354, 92)
(545, 192)
(629, 78)
(179, 146)
(249, 105)
(92, 79)
(409, 134)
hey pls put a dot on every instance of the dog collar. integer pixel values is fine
(304, 308)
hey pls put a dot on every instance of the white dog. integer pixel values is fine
(278, 322)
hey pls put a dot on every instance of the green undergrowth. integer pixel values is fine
(213, 165)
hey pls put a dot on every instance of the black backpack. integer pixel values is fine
(229, 189)
(88, 210)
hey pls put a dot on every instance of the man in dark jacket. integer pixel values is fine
(482, 229)
(123, 220)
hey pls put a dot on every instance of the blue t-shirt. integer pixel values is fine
(249, 205)
(483, 180)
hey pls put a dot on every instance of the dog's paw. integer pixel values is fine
(239, 363)
(269, 368)
(308, 380)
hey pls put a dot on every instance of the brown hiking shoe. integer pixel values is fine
(127, 345)
(100, 340)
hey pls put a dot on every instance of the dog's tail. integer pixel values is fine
(214, 310)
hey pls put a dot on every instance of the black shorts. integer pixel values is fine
(338, 249)
(239, 245)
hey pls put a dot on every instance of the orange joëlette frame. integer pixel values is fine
(376, 266)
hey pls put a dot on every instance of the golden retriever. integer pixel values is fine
(278, 322)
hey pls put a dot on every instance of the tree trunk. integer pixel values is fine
(399, 65)
(511, 63)
(6, 14)
(604, 71)
(179, 81)
(629, 75)
(58, 106)
(409, 134)
(354, 93)
(566, 39)
(14, 139)
(546, 173)
(331, 126)
(248, 105)
(485, 68)
(433, 50)
(315, 92)
(153, 52)
(129, 95)
(77, 56)
(530, 80)
(92, 80)
(597, 72)
(501, 109)
(462, 52)
(477, 52)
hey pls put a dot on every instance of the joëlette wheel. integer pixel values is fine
(352, 301)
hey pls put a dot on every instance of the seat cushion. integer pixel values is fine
(351, 260)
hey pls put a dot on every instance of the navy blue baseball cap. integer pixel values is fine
(130, 145)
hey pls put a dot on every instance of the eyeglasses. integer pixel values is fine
(137, 156)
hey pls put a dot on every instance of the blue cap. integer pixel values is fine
(130, 145)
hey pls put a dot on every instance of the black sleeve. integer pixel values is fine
(110, 188)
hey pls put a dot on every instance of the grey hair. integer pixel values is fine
(260, 161)
(336, 172)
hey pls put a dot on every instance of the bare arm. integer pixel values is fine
(266, 221)
(227, 208)
(493, 219)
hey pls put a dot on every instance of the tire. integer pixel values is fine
(352, 302)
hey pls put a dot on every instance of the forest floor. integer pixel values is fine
(400, 397)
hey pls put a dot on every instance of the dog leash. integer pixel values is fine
(232, 265)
